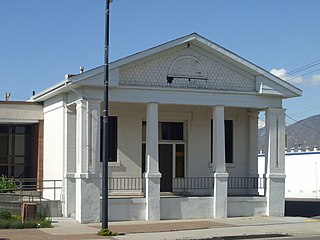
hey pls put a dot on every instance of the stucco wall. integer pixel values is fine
(197, 122)
(53, 147)
(15, 112)
(302, 174)
(246, 206)
(186, 207)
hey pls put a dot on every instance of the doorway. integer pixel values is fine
(171, 152)
(165, 167)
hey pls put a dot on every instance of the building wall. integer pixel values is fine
(23, 112)
(302, 174)
(53, 149)
(197, 122)
(130, 118)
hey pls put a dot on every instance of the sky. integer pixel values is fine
(42, 40)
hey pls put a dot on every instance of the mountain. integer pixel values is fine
(304, 133)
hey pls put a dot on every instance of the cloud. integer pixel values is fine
(282, 73)
(315, 80)
(296, 79)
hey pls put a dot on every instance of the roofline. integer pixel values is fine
(39, 96)
(249, 64)
(162, 47)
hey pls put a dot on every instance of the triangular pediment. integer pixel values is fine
(190, 62)
(186, 66)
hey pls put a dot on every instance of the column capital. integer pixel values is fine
(275, 111)
(80, 103)
(94, 103)
(218, 107)
(253, 114)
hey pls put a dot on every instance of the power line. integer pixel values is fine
(299, 122)
(309, 110)
(318, 69)
(302, 68)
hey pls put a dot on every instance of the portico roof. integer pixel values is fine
(268, 82)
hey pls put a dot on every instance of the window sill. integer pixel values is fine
(114, 164)
(230, 165)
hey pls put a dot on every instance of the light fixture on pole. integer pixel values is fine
(105, 136)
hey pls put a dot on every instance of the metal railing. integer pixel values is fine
(246, 183)
(192, 183)
(125, 184)
(28, 190)
(33, 185)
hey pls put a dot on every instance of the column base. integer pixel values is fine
(152, 195)
(87, 192)
(275, 194)
(220, 206)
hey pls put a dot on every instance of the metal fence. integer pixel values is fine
(246, 183)
(192, 183)
(35, 185)
(27, 190)
(236, 185)
(125, 184)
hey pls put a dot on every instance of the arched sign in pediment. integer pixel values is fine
(187, 67)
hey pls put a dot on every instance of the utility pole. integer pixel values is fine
(105, 137)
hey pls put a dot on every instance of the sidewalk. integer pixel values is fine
(69, 229)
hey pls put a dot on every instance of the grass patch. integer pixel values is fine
(9, 221)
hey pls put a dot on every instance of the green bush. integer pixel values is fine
(106, 232)
(5, 215)
(7, 184)
(9, 221)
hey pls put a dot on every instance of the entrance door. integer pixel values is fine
(165, 166)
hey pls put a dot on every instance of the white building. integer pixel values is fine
(183, 135)
(302, 173)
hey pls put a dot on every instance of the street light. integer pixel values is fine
(105, 136)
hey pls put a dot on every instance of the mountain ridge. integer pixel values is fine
(301, 134)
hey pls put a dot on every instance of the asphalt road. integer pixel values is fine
(302, 207)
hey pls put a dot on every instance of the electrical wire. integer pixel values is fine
(299, 122)
(289, 79)
(309, 65)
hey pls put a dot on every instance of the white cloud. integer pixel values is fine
(296, 79)
(282, 73)
(315, 80)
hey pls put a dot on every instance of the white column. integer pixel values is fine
(69, 194)
(219, 163)
(94, 138)
(87, 178)
(152, 175)
(253, 161)
(275, 157)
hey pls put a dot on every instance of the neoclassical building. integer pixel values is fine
(183, 135)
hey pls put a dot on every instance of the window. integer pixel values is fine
(171, 131)
(228, 133)
(168, 131)
(15, 150)
(113, 138)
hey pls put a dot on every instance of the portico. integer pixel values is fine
(184, 124)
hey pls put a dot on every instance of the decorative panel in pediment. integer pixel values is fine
(187, 68)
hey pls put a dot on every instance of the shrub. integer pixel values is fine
(106, 232)
(9, 221)
(5, 215)
(7, 184)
